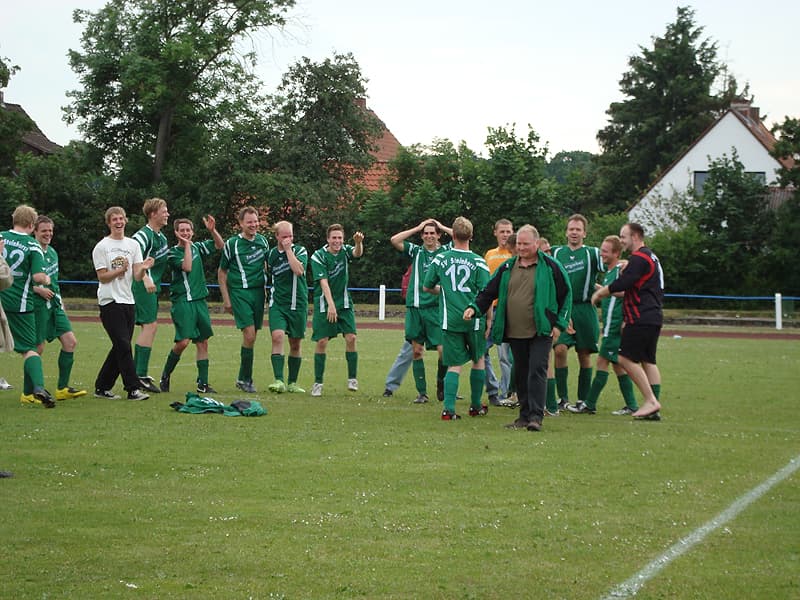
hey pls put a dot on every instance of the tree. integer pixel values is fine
(784, 242)
(69, 187)
(299, 158)
(13, 126)
(151, 67)
(724, 238)
(669, 102)
(788, 147)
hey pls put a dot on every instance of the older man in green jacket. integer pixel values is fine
(534, 298)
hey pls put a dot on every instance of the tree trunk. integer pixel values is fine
(164, 129)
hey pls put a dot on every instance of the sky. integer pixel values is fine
(450, 69)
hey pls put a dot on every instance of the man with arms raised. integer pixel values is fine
(643, 284)
(188, 292)
(242, 281)
(422, 325)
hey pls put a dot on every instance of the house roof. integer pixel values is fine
(33, 141)
(386, 148)
(749, 117)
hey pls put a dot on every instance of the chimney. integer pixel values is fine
(361, 103)
(744, 108)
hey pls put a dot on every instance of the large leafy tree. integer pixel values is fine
(784, 242)
(669, 100)
(153, 70)
(299, 158)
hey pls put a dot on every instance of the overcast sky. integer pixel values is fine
(450, 69)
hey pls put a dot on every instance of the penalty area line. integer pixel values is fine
(629, 588)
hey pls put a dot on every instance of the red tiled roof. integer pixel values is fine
(34, 141)
(386, 150)
(749, 118)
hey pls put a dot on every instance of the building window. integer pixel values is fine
(699, 181)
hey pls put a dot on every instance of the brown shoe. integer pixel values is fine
(534, 426)
(518, 424)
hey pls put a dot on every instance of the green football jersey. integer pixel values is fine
(50, 260)
(245, 260)
(421, 260)
(25, 258)
(288, 289)
(612, 307)
(582, 266)
(461, 274)
(192, 285)
(153, 244)
(334, 268)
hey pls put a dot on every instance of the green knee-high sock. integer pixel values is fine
(656, 387)
(141, 358)
(202, 371)
(319, 367)
(33, 370)
(172, 362)
(552, 403)
(512, 382)
(450, 391)
(65, 362)
(584, 382)
(246, 364)
(600, 380)
(352, 364)
(626, 387)
(294, 368)
(477, 379)
(418, 368)
(27, 385)
(561, 382)
(277, 361)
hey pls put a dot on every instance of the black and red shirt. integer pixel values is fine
(642, 280)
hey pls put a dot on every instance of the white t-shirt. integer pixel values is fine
(104, 256)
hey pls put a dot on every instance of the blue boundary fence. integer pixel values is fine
(777, 298)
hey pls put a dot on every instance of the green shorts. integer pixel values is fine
(424, 326)
(459, 347)
(146, 304)
(23, 328)
(192, 321)
(609, 347)
(293, 322)
(51, 323)
(248, 307)
(322, 329)
(587, 328)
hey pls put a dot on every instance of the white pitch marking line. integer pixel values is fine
(630, 587)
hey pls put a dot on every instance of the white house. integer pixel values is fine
(739, 128)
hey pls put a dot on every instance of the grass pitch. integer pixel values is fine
(355, 495)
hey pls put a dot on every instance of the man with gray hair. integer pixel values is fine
(534, 298)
